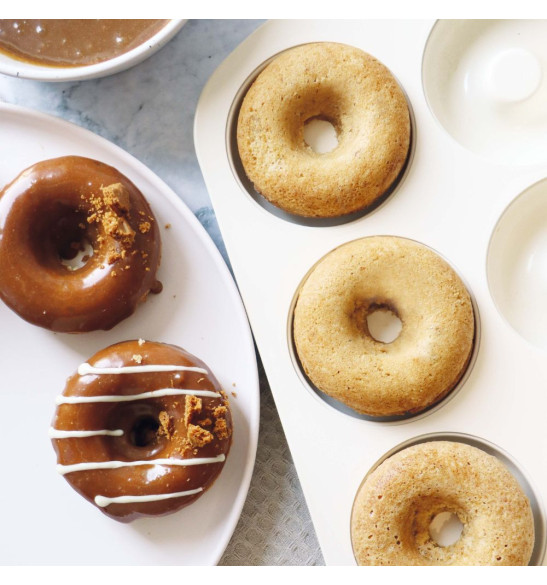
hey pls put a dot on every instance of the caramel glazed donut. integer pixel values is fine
(396, 503)
(350, 89)
(334, 344)
(52, 212)
(143, 429)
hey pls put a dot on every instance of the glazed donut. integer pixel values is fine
(350, 89)
(334, 344)
(396, 503)
(49, 214)
(142, 429)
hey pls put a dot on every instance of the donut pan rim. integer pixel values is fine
(450, 201)
(538, 511)
(341, 408)
(249, 190)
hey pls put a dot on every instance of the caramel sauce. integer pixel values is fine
(144, 462)
(73, 43)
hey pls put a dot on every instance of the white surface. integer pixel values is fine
(486, 81)
(199, 309)
(18, 68)
(517, 264)
(450, 200)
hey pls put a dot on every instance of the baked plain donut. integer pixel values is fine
(336, 349)
(48, 215)
(346, 87)
(143, 429)
(397, 502)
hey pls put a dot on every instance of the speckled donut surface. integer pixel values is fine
(352, 90)
(397, 502)
(336, 349)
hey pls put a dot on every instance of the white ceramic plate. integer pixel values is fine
(44, 521)
(17, 68)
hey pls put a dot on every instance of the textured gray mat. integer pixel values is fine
(275, 527)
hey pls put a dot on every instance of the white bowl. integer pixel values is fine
(17, 68)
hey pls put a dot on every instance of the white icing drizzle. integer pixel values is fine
(103, 501)
(128, 397)
(59, 434)
(64, 469)
(86, 368)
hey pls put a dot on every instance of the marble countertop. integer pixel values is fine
(149, 111)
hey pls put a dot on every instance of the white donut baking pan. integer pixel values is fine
(475, 191)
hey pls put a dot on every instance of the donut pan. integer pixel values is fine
(468, 192)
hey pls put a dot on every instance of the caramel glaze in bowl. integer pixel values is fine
(147, 456)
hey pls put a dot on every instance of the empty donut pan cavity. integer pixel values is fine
(538, 554)
(486, 83)
(517, 264)
(346, 410)
(484, 86)
(249, 189)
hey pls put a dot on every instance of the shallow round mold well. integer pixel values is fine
(384, 325)
(451, 531)
(486, 83)
(517, 264)
(321, 136)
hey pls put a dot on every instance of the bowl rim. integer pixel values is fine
(21, 69)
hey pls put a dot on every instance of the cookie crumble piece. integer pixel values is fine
(166, 425)
(221, 429)
(220, 412)
(192, 407)
(199, 437)
(111, 211)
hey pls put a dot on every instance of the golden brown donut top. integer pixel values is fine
(397, 502)
(49, 214)
(178, 420)
(350, 89)
(336, 349)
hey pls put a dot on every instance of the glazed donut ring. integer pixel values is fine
(142, 442)
(398, 500)
(355, 93)
(336, 349)
(49, 213)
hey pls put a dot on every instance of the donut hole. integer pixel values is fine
(140, 422)
(320, 135)
(144, 431)
(77, 254)
(384, 325)
(378, 319)
(69, 239)
(61, 237)
(445, 529)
